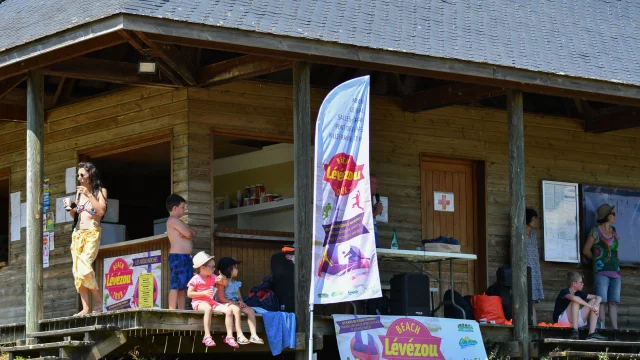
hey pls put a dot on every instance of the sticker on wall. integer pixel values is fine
(443, 201)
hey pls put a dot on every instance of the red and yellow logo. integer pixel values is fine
(118, 279)
(343, 174)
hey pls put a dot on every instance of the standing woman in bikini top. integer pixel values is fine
(89, 207)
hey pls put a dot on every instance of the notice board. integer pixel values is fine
(627, 209)
(561, 224)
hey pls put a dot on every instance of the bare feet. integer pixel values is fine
(97, 308)
(83, 312)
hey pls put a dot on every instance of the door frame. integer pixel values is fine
(479, 185)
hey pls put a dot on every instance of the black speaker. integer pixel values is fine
(410, 295)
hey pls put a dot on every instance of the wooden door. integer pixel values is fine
(457, 177)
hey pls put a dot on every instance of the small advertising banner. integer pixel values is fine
(345, 266)
(403, 338)
(132, 281)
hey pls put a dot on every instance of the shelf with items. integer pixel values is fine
(274, 216)
(254, 208)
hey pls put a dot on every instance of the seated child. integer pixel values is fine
(201, 291)
(573, 309)
(228, 291)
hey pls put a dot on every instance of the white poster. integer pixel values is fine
(403, 338)
(51, 241)
(70, 180)
(15, 215)
(560, 221)
(384, 217)
(345, 266)
(443, 201)
(23, 215)
(132, 281)
(45, 250)
(62, 214)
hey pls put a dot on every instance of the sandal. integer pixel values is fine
(208, 341)
(242, 340)
(229, 340)
(256, 340)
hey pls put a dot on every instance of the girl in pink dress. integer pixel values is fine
(201, 289)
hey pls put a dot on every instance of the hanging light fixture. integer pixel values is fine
(147, 65)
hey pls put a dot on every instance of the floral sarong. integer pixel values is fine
(84, 249)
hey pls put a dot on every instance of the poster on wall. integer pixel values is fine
(344, 266)
(132, 281)
(401, 338)
(443, 201)
(45, 250)
(561, 221)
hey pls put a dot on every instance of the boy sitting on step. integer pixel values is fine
(574, 306)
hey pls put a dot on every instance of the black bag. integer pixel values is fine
(453, 312)
(262, 296)
(283, 272)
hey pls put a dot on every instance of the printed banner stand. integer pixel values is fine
(132, 281)
(344, 260)
(345, 266)
(403, 338)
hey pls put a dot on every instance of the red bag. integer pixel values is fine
(488, 307)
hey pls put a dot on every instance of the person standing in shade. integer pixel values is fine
(375, 201)
(533, 260)
(602, 248)
(88, 209)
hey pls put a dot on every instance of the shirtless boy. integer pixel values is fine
(180, 262)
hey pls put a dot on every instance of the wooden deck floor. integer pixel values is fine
(159, 331)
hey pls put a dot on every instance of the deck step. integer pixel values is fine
(47, 346)
(594, 354)
(592, 342)
(73, 331)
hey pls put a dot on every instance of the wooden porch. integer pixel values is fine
(147, 332)
(156, 332)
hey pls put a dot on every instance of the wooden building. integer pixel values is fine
(439, 122)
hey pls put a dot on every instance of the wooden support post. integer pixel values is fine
(35, 174)
(518, 244)
(303, 192)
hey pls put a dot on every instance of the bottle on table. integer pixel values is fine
(394, 240)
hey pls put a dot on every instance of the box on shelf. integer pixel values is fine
(438, 247)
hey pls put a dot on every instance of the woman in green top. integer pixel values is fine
(602, 247)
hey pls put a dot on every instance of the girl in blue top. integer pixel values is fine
(229, 292)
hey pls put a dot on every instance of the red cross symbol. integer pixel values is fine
(444, 202)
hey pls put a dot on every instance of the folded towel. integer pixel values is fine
(281, 330)
(441, 240)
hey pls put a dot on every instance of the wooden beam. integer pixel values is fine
(56, 96)
(60, 54)
(248, 42)
(601, 123)
(244, 67)
(303, 193)
(105, 70)
(515, 115)
(10, 112)
(448, 95)
(35, 174)
(143, 49)
(8, 84)
(174, 58)
(103, 348)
